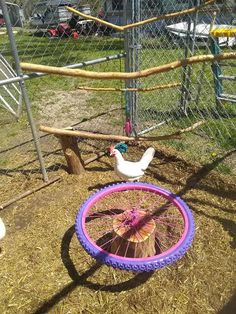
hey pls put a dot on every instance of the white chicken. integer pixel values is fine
(2, 229)
(130, 170)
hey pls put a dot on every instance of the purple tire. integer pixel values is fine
(174, 217)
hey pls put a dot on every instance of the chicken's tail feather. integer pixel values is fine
(147, 158)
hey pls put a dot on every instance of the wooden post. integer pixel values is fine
(71, 151)
(134, 235)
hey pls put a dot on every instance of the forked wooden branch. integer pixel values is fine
(141, 23)
(126, 75)
(96, 19)
(118, 138)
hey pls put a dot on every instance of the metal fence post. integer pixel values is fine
(132, 63)
(23, 87)
(189, 51)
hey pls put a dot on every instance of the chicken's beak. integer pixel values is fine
(111, 150)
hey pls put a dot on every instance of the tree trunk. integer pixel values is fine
(71, 151)
(134, 235)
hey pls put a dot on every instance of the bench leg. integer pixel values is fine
(71, 151)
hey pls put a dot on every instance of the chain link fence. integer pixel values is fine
(52, 36)
(174, 39)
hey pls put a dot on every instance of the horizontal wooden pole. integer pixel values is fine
(126, 75)
(117, 138)
(29, 192)
(113, 89)
(97, 156)
(141, 23)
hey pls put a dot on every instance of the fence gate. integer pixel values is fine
(10, 93)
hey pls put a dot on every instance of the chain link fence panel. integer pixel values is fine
(196, 99)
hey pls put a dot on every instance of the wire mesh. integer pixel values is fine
(178, 38)
(52, 36)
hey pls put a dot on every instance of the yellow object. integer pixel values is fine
(224, 32)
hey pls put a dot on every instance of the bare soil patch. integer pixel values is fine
(62, 109)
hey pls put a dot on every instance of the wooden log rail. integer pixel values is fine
(117, 138)
(142, 90)
(29, 192)
(68, 140)
(126, 75)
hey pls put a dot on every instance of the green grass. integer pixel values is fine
(225, 169)
(3, 162)
(225, 131)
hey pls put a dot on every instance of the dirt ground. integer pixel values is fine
(62, 109)
(72, 106)
(44, 268)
